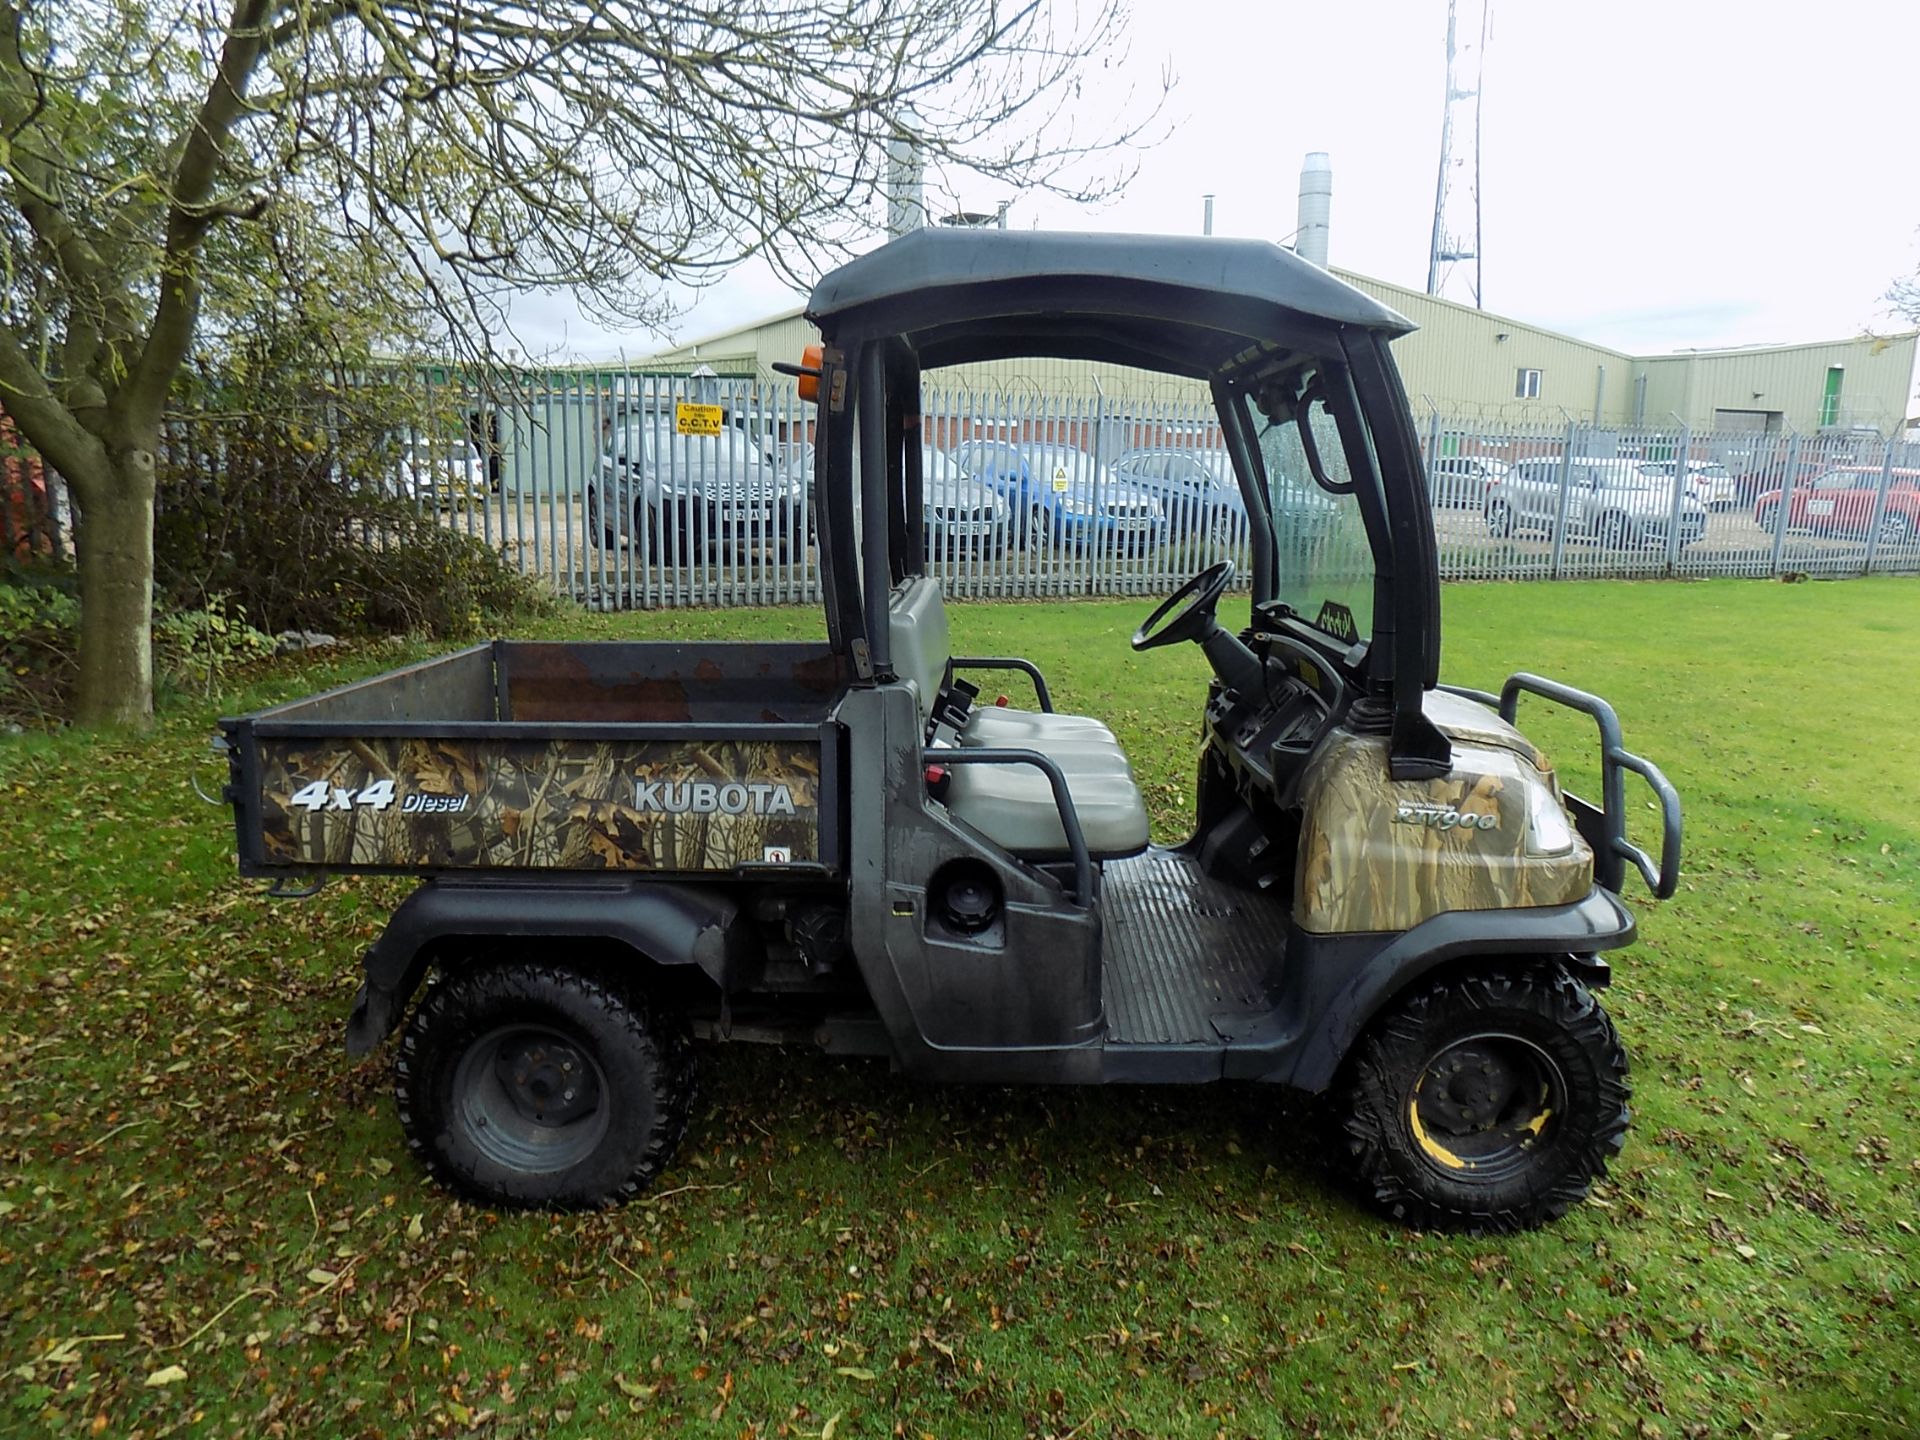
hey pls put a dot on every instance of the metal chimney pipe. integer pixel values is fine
(906, 200)
(1206, 220)
(1316, 208)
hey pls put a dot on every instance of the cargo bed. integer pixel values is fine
(713, 759)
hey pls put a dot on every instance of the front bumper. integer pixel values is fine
(1104, 533)
(700, 521)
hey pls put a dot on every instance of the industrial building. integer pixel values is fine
(1472, 365)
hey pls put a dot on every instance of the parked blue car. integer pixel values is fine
(1061, 494)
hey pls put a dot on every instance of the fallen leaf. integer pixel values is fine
(167, 1375)
(1746, 1252)
(854, 1372)
(317, 1276)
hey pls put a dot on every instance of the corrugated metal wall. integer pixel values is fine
(1466, 362)
(1789, 381)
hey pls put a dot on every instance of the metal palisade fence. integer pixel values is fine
(630, 490)
(1037, 495)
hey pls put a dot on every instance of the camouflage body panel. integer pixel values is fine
(677, 805)
(1469, 722)
(1378, 854)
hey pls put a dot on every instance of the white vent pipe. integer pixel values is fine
(1316, 208)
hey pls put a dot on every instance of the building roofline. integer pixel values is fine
(779, 317)
(1354, 277)
(1716, 351)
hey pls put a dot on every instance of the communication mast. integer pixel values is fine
(1456, 200)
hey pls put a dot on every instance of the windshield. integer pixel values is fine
(1055, 460)
(662, 446)
(1320, 540)
(440, 451)
(938, 470)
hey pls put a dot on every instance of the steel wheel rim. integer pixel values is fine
(531, 1099)
(1485, 1107)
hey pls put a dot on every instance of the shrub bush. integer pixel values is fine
(295, 520)
(193, 649)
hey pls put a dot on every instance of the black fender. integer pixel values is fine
(669, 924)
(1571, 934)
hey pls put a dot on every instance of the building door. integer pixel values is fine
(1830, 398)
(1757, 422)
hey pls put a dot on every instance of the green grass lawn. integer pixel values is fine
(209, 1224)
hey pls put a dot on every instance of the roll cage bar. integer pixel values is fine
(1251, 319)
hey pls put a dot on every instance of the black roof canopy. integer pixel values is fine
(1186, 304)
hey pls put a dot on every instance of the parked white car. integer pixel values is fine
(1622, 504)
(961, 513)
(438, 472)
(1461, 482)
(1713, 485)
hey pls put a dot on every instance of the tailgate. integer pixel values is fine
(364, 783)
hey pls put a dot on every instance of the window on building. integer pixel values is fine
(1526, 385)
(1830, 398)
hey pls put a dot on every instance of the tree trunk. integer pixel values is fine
(114, 540)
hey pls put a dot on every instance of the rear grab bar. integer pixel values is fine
(1615, 760)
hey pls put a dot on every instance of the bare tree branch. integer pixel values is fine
(159, 158)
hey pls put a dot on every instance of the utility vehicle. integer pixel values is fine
(1385, 895)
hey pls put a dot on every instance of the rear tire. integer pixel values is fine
(539, 1087)
(597, 522)
(1486, 1102)
(1499, 519)
(1895, 528)
(1615, 531)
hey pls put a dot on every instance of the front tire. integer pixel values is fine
(1486, 1102)
(1499, 519)
(539, 1087)
(1039, 528)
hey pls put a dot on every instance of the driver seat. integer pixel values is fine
(1013, 805)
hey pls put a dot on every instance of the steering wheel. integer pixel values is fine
(1195, 621)
(1332, 689)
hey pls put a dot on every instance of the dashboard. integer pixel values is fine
(1265, 738)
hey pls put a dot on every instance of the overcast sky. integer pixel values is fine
(1656, 174)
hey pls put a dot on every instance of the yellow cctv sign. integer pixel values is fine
(691, 419)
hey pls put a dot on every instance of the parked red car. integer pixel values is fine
(1841, 501)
